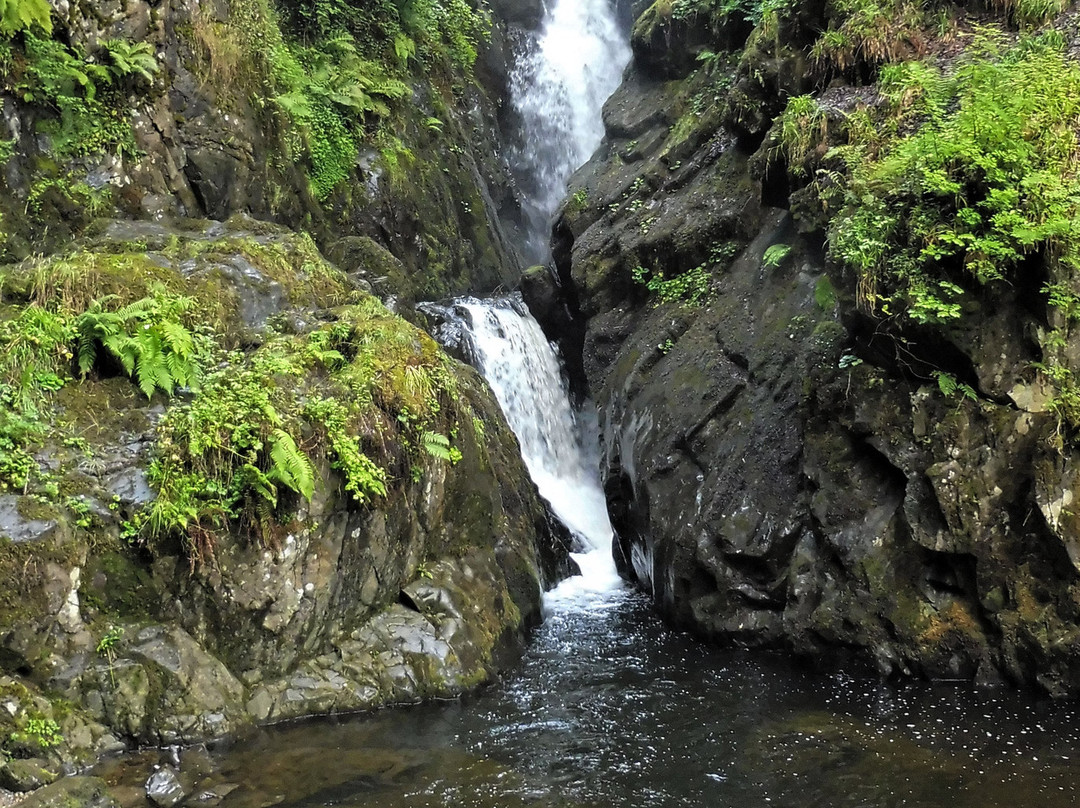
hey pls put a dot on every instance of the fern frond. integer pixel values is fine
(21, 15)
(291, 465)
(86, 351)
(437, 445)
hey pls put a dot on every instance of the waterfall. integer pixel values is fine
(558, 444)
(567, 71)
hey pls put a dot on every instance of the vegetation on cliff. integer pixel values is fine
(243, 428)
(328, 91)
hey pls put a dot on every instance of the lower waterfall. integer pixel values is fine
(558, 444)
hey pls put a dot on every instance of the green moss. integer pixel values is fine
(117, 585)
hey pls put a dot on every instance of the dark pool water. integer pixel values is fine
(611, 708)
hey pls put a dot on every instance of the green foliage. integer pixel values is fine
(438, 446)
(692, 287)
(802, 128)
(59, 78)
(132, 59)
(1030, 13)
(775, 255)
(106, 646)
(366, 391)
(1065, 403)
(871, 32)
(148, 338)
(951, 388)
(825, 294)
(39, 733)
(342, 72)
(24, 15)
(93, 202)
(983, 178)
(35, 356)
(364, 479)
(222, 455)
(290, 466)
(328, 91)
(719, 12)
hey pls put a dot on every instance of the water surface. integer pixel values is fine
(612, 708)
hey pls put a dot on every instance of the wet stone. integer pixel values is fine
(164, 788)
(26, 775)
(84, 792)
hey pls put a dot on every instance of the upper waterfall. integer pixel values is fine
(568, 70)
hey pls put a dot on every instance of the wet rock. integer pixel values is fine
(26, 774)
(164, 789)
(779, 470)
(163, 687)
(21, 528)
(85, 792)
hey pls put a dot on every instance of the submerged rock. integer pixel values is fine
(26, 774)
(164, 789)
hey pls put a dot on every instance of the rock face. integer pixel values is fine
(425, 592)
(782, 471)
(208, 140)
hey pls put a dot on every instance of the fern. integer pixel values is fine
(145, 337)
(774, 256)
(438, 446)
(21, 15)
(291, 466)
(950, 386)
(132, 59)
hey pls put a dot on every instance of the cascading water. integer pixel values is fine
(567, 71)
(558, 447)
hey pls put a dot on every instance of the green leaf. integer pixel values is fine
(291, 465)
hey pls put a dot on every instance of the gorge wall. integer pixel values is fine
(787, 465)
(234, 487)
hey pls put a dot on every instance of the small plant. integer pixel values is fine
(692, 287)
(81, 509)
(802, 128)
(438, 446)
(106, 647)
(775, 255)
(950, 387)
(132, 59)
(22, 15)
(147, 337)
(42, 733)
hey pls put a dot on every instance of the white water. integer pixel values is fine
(569, 69)
(522, 368)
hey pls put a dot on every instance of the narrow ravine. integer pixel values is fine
(610, 707)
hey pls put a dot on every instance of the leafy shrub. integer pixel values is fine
(692, 287)
(132, 59)
(871, 32)
(147, 337)
(985, 177)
